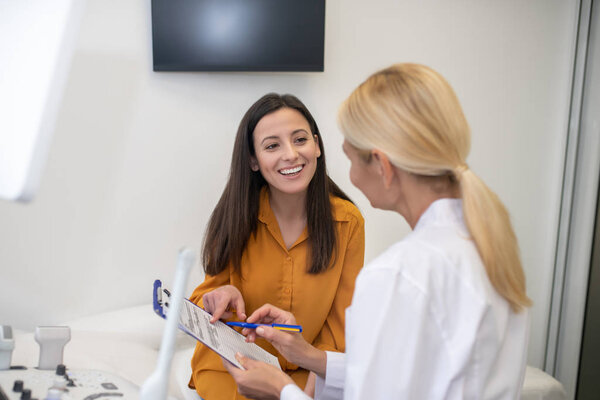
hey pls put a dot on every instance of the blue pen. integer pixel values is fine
(281, 327)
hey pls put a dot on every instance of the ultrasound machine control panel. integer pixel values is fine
(51, 379)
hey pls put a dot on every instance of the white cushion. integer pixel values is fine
(181, 370)
(539, 385)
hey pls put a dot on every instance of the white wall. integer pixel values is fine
(140, 158)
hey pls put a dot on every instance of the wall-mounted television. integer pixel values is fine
(238, 35)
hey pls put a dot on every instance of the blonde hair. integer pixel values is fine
(411, 113)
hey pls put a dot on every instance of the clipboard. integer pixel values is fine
(219, 337)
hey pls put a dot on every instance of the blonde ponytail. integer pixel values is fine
(489, 224)
(412, 114)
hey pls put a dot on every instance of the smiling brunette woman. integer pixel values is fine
(282, 233)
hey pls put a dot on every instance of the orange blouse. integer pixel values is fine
(276, 275)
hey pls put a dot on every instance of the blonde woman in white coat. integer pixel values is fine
(441, 314)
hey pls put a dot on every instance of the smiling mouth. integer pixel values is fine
(291, 171)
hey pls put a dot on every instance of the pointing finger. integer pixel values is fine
(218, 312)
(240, 308)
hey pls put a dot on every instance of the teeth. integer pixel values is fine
(291, 170)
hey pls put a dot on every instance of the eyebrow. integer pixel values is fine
(300, 130)
(277, 137)
(269, 137)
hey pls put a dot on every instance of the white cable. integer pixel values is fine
(157, 384)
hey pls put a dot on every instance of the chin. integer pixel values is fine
(292, 189)
(377, 205)
(295, 191)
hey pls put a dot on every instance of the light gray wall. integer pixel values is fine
(139, 158)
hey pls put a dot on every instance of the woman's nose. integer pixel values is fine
(290, 152)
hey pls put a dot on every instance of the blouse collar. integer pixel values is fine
(443, 212)
(267, 217)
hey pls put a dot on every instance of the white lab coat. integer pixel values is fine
(425, 323)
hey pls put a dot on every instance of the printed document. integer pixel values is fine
(219, 337)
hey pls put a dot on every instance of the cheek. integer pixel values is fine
(354, 176)
(312, 152)
(263, 160)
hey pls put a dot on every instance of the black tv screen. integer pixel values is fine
(238, 35)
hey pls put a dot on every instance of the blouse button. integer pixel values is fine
(289, 258)
(287, 290)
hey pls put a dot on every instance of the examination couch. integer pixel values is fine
(126, 343)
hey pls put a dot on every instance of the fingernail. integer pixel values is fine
(260, 330)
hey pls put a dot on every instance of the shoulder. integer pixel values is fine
(443, 268)
(345, 211)
(401, 255)
(451, 288)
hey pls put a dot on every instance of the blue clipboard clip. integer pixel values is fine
(160, 299)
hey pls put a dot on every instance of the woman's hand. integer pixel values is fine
(222, 301)
(290, 345)
(259, 380)
(267, 314)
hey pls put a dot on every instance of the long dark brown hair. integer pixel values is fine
(235, 217)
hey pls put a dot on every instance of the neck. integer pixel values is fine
(416, 196)
(287, 206)
(412, 209)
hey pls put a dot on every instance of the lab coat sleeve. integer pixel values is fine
(332, 387)
(394, 343)
(293, 392)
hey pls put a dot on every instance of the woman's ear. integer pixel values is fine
(385, 168)
(318, 147)
(254, 164)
